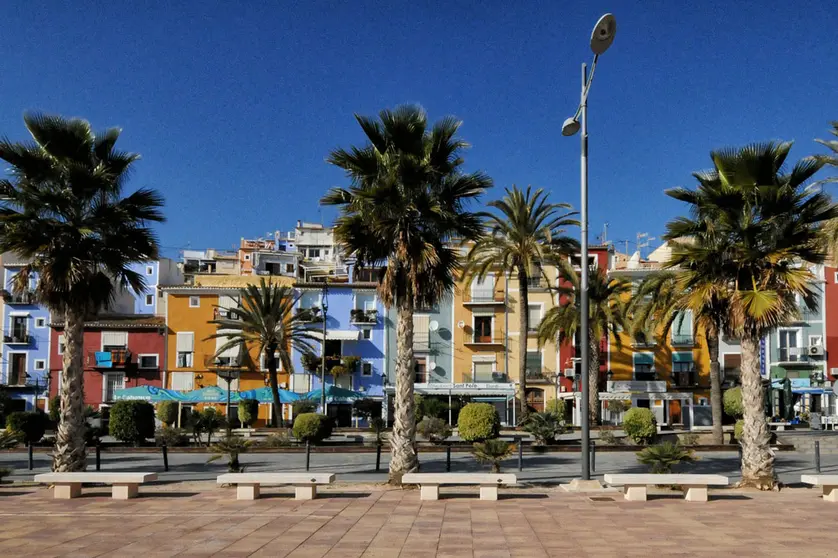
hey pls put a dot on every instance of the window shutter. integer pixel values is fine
(182, 381)
(227, 303)
(644, 358)
(115, 338)
(220, 341)
(421, 324)
(222, 383)
(185, 341)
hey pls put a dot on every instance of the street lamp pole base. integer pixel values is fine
(580, 485)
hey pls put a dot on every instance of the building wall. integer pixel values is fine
(140, 342)
(466, 308)
(440, 347)
(830, 305)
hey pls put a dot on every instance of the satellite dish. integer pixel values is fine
(461, 324)
(603, 34)
(433, 326)
(431, 365)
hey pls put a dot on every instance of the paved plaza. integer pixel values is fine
(200, 519)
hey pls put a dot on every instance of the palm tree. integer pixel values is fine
(662, 299)
(63, 212)
(832, 158)
(526, 231)
(767, 228)
(265, 318)
(606, 311)
(406, 203)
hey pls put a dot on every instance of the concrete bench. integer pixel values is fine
(305, 484)
(695, 486)
(828, 482)
(429, 483)
(68, 485)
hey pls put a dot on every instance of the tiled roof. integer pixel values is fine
(134, 321)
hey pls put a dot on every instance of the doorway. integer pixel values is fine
(535, 400)
(17, 370)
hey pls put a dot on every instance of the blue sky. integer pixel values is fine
(234, 106)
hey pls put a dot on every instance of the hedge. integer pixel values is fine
(639, 424)
(248, 411)
(28, 426)
(132, 421)
(733, 403)
(312, 427)
(167, 412)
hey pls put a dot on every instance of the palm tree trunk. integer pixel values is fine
(593, 378)
(757, 460)
(70, 454)
(402, 440)
(715, 386)
(270, 352)
(523, 328)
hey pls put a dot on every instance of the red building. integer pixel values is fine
(119, 352)
(830, 313)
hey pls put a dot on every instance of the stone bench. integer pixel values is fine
(68, 485)
(429, 483)
(305, 484)
(695, 486)
(828, 482)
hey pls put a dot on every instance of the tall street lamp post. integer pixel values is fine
(601, 39)
(325, 307)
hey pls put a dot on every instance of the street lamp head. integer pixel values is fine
(570, 126)
(603, 34)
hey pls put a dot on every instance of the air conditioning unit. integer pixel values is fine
(570, 372)
(816, 350)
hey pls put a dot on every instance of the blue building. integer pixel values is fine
(354, 328)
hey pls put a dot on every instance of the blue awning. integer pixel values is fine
(264, 395)
(644, 358)
(682, 357)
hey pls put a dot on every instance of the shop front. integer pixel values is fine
(501, 395)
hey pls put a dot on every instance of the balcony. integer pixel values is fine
(482, 296)
(224, 362)
(10, 297)
(17, 339)
(118, 358)
(476, 340)
(358, 316)
(539, 376)
(309, 315)
(493, 378)
(685, 379)
(536, 283)
(683, 340)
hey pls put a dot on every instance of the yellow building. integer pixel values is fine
(191, 359)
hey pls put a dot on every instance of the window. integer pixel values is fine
(40, 322)
(683, 369)
(788, 345)
(149, 270)
(147, 361)
(61, 344)
(194, 301)
(149, 300)
(644, 367)
(314, 252)
(366, 333)
(366, 369)
(185, 346)
(19, 327)
(483, 290)
(112, 383)
(482, 371)
(483, 329)
(247, 257)
(682, 329)
(534, 364)
(40, 364)
(815, 340)
(182, 381)
(300, 383)
(420, 369)
(576, 260)
(263, 361)
(534, 315)
(289, 268)
(114, 340)
(326, 252)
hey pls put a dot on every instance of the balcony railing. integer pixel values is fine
(483, 296)
(11, 297)
(536, 283)
(683, 340)
(478, 339)
(493, 378)
(117, 358)
(17, 339)
(223, 362)
(421, 378)
(309, 315)
(359, 316)
(685, 379)
(643, 341)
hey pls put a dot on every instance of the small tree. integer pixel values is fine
(132, 421)
(433, 429)
(557, 407)
(493, 451)
(544, 427)
(478, 422)
(28, 427)
(55, 410)
(640, 425)
(303, 406)
(231, 446)
(733, 403)
(312, 427)
(248, 411)
(662, 457)
(378, 426)
(207, 421)
(167, 412)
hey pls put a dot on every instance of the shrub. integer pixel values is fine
(55, 410)
(366, 408)
(434, 429)
(350, 363)
(278, 440)
(378, 426)
(338, 370)
(737, 429)
(232, 447)
(544, 427)
(557, 407)
(92, 434)
(207, 421)
(8, 439)
(662, 457)
(618, 406)
(28, 426)
(639, 424)
(132, 421)
(5, 472)
(733, 403)
(493, 451)
(248, 411)
(302, 406)
(171, 437)
(312, 427)
(167, 412)
(432, 408)
(310, 362)
(478, 422)
(607, 437)
(690, 439)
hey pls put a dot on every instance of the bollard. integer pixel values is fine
(817, 456)
(518, 440)
(377, 458)
(165, 458)
(98, 456)
(593, 457)
(308, 453)
(448, 458)
(740, 452)
(31, 457)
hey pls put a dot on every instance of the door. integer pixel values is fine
(19, 327)
(482, 329)
(535, 399)
(421, 371)
(333, 352)
(675, 412)
(17, 373)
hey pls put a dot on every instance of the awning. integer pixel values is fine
(264, 395)
(210, 394)
(337, 334)
(147, 393)
(334, 394)
(627, 395)
(473, 389)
